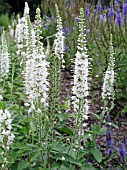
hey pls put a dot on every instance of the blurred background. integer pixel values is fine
(17, 6)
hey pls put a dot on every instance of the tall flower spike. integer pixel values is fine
(122, 152)
(119, 19)
(108, 85)
(110, 12)
(109, 140)
(99, 8)
(81, 72)
(21, 36)
(38, 32)
(59, 37)
(124, 10)
(36, 84)
(87, 10)
(4, 58)
(26, 10)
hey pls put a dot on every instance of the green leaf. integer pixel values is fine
(95, 128)
(66, 105)
(64, 167)
(2, 105)
(99, 117)
(16, 125)
(61, 117)
(23, 165)
(55, 165)
(97, 154)
(71, 160)
(17, 145)
(112, 124)
(35, 155)
(66, 130)
(88, 167)
(102, 131)
(33, 125)
(87, 136)
(10, 85)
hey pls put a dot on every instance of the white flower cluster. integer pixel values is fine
(80, 88)
(6, 134)
(4, 58)
(35, 73)
(36, 84)
(21, 36)
(108, 85)
(21, 33)
(26, 9)
(59, 38)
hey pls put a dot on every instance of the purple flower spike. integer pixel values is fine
(77, 19)
(122, 152)
(99, 7)
(66, 48)
(67, 31)
(87, 10)
(110, 151)
(110, 12)
(124, 8)
(47, 27)
(119, 19)
(109, 141)
(52, 18)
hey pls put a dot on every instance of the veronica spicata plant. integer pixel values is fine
(56, 63)
(6, 137)
(80, 88)
(21, 35)
(108, 85)
(4, 59)
(35, 74)
(59, 37)
(36, 66)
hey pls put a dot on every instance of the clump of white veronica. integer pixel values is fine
(108, 85)
(21, 36)
(6, 135)
(21, 33)
(4, 58)
(56, 64)
(36, 84)
(59, 37)
(80, 88)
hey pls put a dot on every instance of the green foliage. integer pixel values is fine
(59, 149)
(6, 20)
(4, 7)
